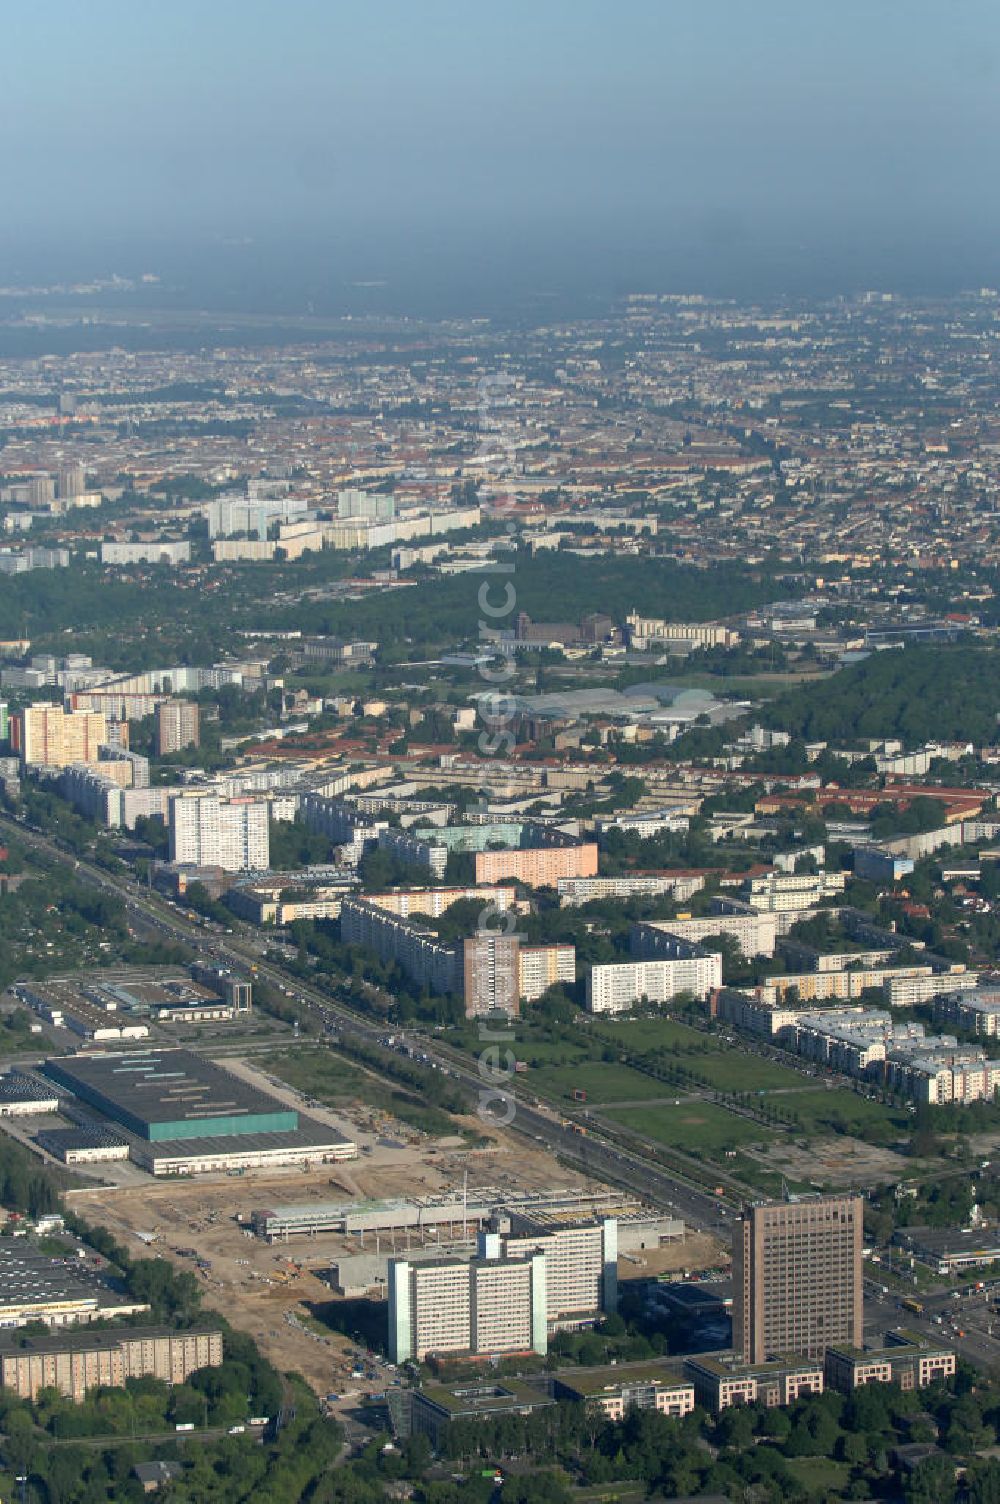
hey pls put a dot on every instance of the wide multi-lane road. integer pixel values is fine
(598, 1152)
(961, 1317)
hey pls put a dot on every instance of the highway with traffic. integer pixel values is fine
(597, 1152)
(963, 1317)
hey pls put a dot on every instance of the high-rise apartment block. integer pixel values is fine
(72, 481)
(797, 1277)
(486, 1306)
(176, 726)
(581, 1264)
(206, 831)
(490, 974)
(48, 736)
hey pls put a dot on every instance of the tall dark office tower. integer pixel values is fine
(797, 1281)
(72, 480)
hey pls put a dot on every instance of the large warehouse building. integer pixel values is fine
(186, 1115)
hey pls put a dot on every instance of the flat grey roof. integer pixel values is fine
(88, 1339)
(28, 1277)
(163, 1085)
(949, 1240)
(58, 1140)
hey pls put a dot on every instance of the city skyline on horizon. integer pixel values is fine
(333, 158)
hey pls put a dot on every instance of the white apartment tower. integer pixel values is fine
(206, 831)
(581, 1265)
(484, 1306)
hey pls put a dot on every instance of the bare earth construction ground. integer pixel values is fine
(266, 1290)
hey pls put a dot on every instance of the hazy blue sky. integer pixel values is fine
(627, 135)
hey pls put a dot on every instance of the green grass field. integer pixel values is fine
(572, 1062)
(319, 1073)
(546, 1054)
(337, 1082)
(641, 1034)
(819, 1109)
(698, 1127)
(820, 1475)
(726, 1068)
(732, 1070)
(601, 1082)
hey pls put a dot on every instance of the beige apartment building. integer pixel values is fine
(74, 1364)
(537, 866)
(797, 1277)
(46, 736)
(176, 726)
(543, 966)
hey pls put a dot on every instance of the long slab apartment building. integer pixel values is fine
(532, 853)
(669, 965)
(575, 891)
(74, 1363)
(490, 970)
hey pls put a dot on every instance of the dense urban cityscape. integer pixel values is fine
(525, 805)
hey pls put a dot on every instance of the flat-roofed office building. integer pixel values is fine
(797, 1277)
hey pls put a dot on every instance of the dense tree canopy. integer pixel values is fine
(918, 694)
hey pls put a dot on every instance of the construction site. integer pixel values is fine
(399, 1198)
